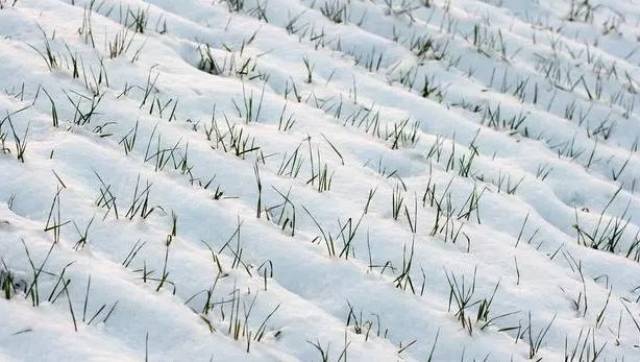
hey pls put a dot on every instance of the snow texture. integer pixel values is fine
(309, 180)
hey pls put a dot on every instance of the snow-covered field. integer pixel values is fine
(319, 180)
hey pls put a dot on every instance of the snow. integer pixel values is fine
(275, 180)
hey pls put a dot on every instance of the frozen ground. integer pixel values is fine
(319, 180)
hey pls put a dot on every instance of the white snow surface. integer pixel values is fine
(308, 180)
